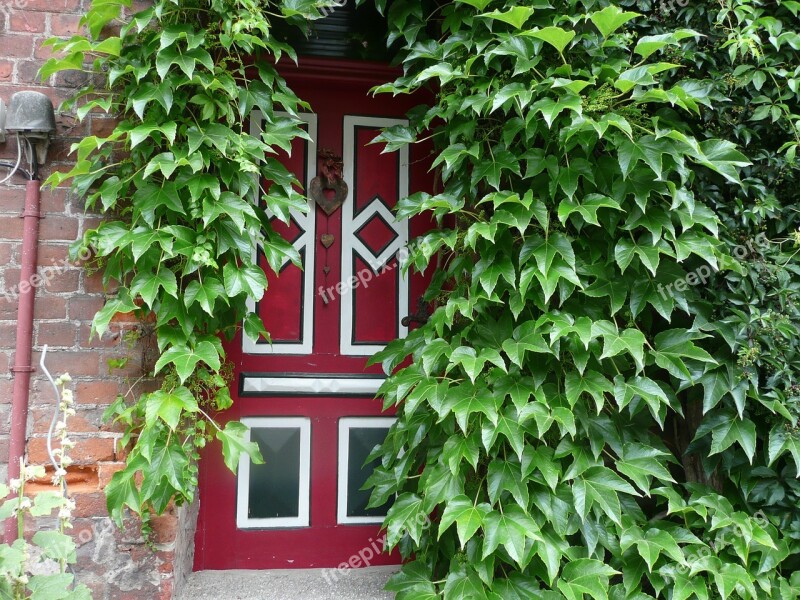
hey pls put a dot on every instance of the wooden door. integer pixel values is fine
(308, 397)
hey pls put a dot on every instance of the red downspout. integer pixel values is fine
(22, 368)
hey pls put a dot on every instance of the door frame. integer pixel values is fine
(219, 543)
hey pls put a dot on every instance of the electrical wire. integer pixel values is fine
(10, 165)
(19, 160)
(56, 414)
(33, 164)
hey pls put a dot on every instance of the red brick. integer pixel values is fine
(6, 69)
(64, 24)
(8, 252)
(58, 228)
(93, 284)
(54, 201)
(8, 333)
(76, 363)
(92, 450)
(11, 228)
(111, 338)
(60, 150)
(84, 308)
(90, 505)
(79, 423)
(107, 471)
(17, 46)
(92, 223)
(27, 21)
(57, 334)
(12, 198)
(71, 79)
(50, 255)
(6, 386)
(59, 6)
(165, 527)
(49, 307)
(8, 306)
(96, 392)
(82, 532)
(28, 71)
(59, 280)
(102, 127)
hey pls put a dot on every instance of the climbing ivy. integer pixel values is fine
(181, 181)
(604, 401)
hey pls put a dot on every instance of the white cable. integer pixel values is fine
(19, 159)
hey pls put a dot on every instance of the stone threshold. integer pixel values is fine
(288, 584)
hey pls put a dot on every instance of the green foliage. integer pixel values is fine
(586, 417)
(37, 569)
(180, 180)
(605, 400)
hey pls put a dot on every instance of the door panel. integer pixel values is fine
(289, 313)
(371, 238)
(309, 397)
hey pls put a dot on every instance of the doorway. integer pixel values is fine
(308, 397)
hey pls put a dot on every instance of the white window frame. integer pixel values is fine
(351, 244)
(345, 425)
(308, 240)
(243, 480)
(278, 385)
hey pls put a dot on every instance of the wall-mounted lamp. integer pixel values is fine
(31, 115)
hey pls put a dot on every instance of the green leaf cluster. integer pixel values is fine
(605, 401)
(190, 192)
(583, 415)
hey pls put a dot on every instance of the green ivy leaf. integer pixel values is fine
(55, 545)
(610, 19)
(511, 529)
(234, 444)
(169, 406)
(186, 358)
(586, 576)
(467, 516)
(515, 16)
(249, 280)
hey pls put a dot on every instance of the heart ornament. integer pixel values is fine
(329, 194)
(327, 239)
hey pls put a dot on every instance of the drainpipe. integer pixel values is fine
(22, 368)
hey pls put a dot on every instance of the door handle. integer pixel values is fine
(421, 316)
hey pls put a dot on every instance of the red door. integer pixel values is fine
(308, 398)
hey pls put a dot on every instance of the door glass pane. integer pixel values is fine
(361, 442)
(275, 486)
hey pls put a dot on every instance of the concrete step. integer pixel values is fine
(288, 584)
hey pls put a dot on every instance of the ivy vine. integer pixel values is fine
(605, 400)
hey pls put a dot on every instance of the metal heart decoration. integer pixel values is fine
(327, 239)
(330, 202)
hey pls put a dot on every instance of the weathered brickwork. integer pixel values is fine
(115, 564)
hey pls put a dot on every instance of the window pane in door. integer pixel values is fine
(362, 441)
(275, 486)
(358, 436)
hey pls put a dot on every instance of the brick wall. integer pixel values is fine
(115, 564)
